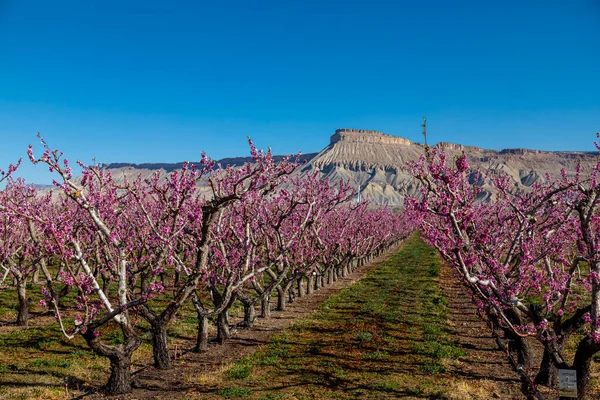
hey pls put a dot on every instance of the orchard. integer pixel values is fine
(114, 252)
(118, 256)
(531, 261)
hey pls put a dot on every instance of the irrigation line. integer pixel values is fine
(518, 368)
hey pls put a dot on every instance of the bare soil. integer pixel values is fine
(484, 366)
(156, 384)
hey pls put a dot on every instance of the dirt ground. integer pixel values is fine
(484, 365)
(155, 384)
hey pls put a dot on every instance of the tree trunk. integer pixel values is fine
(281, 303)
(265, 306)
(226, 316)
(310, 284)
(202, 334)
(23, 315)
(249, 314)
(223, 332)
(520, 344)
(330, 276)
(119, 381)
(524, 355)
(300, 287)
(548, 372)
(160, 346)
(202, 338)
(105, 284)
(36, 276)
(583, 358)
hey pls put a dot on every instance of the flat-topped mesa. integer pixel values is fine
(366, 136)
(458, 147)
(522, 152)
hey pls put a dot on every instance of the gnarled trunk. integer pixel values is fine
(223, 332)
(249, 314)
(281, 301)
(300, 287)
(582, 363)
(202, 337)
(249, 309)
(548, 372)
(160, 346)
(330, 273)
(119, 381)
(202, 334)
(265, 306)
(519, 344)
(344, 270)
(310, 284)
(23, 314)
(523, 348)
(282, 291)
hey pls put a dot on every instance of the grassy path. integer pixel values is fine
(387, 336)
(384, 337)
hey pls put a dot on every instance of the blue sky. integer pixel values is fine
(150, 81)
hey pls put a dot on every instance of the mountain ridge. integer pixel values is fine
(233, 161)
(375, 163)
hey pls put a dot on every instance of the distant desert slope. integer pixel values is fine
(375, 162)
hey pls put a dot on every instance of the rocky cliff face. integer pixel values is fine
(374, 162)
(366, 136)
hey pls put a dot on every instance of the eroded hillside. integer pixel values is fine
(375, 162)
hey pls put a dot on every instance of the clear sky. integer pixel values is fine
(149, 81)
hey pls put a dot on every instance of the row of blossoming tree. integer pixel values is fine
(531, 261)
(203, 234)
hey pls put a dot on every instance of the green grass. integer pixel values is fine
(240, 370)
(234, 393)
(35, 360)
(386, 336)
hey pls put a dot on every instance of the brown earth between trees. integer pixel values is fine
(171, 384)
(484, 367)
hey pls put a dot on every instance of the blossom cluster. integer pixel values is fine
(527, 258)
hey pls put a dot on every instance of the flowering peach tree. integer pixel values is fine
(530, 261)
(140, 249)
